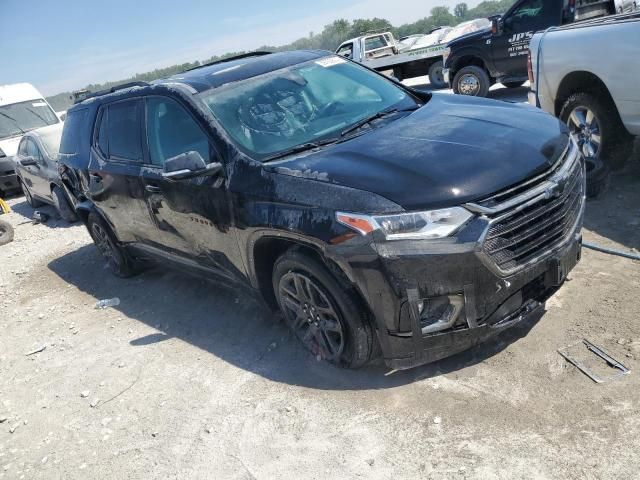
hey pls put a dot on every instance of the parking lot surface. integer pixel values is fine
(193, 379)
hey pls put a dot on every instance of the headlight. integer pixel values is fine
(445, 55)
(411, 225)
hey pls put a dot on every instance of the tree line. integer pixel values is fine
(328, 39)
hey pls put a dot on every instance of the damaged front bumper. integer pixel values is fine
(432, 299)
(490, 303)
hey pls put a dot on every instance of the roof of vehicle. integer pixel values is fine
(212, 75)
(234, 70)
(18, 92)
(49, 137)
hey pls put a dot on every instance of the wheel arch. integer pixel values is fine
(266, 247)
(581, 81)
(467, 59)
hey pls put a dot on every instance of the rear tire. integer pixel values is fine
(62, 205)
(473, 81)
(6, 232)
(33, 203)
(436, 77)
(322, 312)
(513, 84)
(599, 129)
(119, 261)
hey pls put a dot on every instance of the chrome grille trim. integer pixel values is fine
(527, 227)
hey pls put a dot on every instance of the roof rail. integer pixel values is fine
(111, 90)
(228, 59)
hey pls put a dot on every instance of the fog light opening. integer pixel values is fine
(439, 313)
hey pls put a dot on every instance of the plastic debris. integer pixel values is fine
(108, 302)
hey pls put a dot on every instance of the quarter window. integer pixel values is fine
(171, 130)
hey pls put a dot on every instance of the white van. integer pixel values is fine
(22, 108)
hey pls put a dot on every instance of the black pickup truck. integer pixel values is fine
(474, 62)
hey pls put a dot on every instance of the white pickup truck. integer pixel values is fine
(586, 75)
(414, 56)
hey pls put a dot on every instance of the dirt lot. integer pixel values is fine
(191, 379)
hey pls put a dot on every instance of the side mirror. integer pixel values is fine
(189, 165)
(496, 26)
(28, 162)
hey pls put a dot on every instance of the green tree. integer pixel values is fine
(461, 10)
(442, 16)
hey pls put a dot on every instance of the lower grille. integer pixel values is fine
(537, 220)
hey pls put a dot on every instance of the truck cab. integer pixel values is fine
(368, 47)
(474, 62)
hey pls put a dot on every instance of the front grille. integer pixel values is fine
(527, 224)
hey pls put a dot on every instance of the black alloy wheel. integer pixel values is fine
(323, 309)
(117, 258)
(311, 316)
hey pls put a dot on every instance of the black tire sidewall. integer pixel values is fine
(33, 203)
(482, 76)
(6, 232)
(431, 73)
(616, 146)
(359, 334)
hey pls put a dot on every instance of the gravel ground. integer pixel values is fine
(192, 379)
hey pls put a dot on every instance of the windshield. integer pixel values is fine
(17, 118)
(301, 104)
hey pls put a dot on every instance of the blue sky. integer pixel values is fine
(66, 44)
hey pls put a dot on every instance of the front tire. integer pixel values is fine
(62, 205)
(33, 203)
(473, 81)
(598, 128)
(323, 314)
(436, 76)
(119, 261)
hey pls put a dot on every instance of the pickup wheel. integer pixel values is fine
(62, 205)
(119, 261)
(598, 128)
(472, 81)
(436, 77)
(325, 316)
(513, 84)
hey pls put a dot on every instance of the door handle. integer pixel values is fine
(96, 176)
(152, 188)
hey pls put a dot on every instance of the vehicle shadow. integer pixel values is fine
(235, 326)
(615, 215)
(23, 209)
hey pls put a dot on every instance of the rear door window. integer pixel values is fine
(123, 130)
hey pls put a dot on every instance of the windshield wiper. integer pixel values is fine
(375, 116)
(14, 121)
(37, 115)
(300, 148)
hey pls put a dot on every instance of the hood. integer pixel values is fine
(469, 37)
(10, 145)
(453, 150)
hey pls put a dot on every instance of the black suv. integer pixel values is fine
(377, 218)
